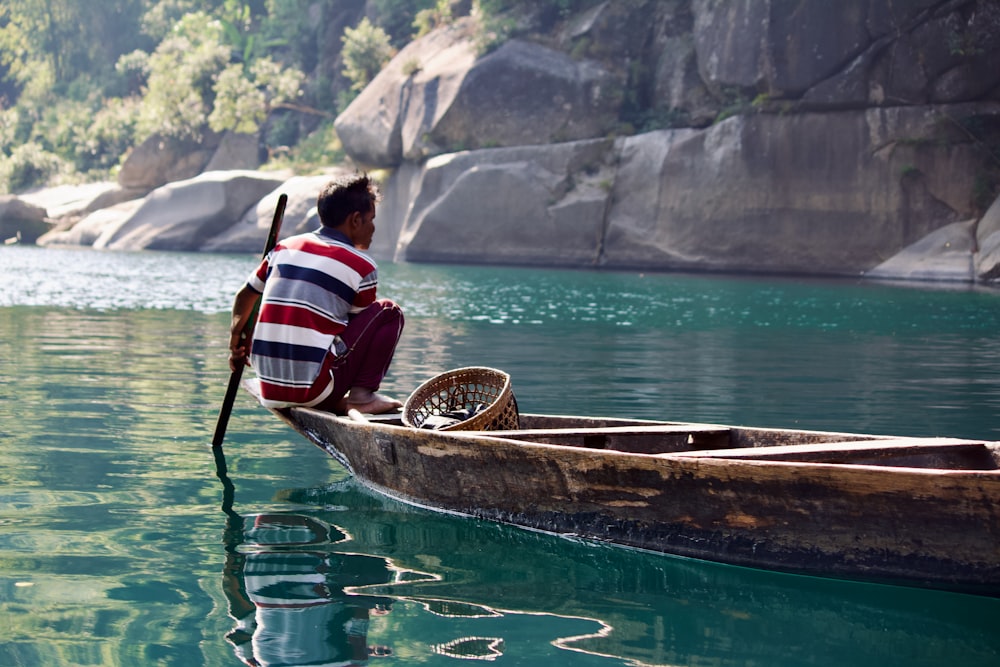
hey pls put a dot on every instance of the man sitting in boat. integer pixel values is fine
(322, 338)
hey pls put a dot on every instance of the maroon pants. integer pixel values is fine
(371, 337)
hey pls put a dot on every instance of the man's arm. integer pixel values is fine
(366, 294)
(243, 307)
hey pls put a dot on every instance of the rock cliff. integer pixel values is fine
(779, 136)
(799, 137)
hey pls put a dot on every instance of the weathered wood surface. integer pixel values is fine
(930, 527)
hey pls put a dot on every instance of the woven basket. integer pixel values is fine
(464, 389)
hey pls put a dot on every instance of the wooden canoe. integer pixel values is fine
(912, 511)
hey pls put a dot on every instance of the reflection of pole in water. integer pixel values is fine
(228, 490)
(285, 591)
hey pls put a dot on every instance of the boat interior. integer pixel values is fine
(758, 444)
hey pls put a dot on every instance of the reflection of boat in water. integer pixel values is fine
(296, 600)
(916, 511)
(651, 609)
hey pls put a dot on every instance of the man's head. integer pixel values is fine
(348, 205)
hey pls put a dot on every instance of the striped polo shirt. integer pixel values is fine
(311, 283)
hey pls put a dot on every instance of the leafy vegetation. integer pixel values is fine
(84, 81)
(427, 19)
(366, 51)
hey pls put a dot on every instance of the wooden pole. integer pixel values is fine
(237, 374)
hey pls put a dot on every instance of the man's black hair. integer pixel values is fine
(342, 197)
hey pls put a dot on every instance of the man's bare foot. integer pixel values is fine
(376, 404)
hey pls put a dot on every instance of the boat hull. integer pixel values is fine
(929, 527)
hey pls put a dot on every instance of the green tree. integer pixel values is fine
(241, 22)
(182, 72)
(427, 19)
(63, 40)
(29, 165)
(193, 84)
(34, 34)
(162, 15)
(366, 51)
(244, 100)
(294, 30)
(99, 145)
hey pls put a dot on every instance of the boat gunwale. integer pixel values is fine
(704, 458)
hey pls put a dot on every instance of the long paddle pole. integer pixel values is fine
(237, 374)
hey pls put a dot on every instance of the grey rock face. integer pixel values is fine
(184, 215)
(20, 220)
(437, 97)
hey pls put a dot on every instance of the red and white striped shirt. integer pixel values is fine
(311, 284)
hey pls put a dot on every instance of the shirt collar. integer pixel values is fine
(334, 234)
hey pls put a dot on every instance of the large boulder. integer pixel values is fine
(947, 58)
(779, 47)
(834, 193)
(160, 160)
(437, 97)
(92, 226)
(67, 200)
(235, 151)
(524, 94)
(371, 128)
(677, 92)
(989, 224)
(635, 218)
(533, 205)
(185, 214)
(113, 197)
(80, 213)
(922, 52)
(400, 188)
(250, 232)
(20, 220)
(850, 53)
(988, 242)
(944, 255)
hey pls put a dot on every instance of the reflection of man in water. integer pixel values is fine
(287, 594)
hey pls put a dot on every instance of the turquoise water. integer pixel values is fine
(119, 545)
